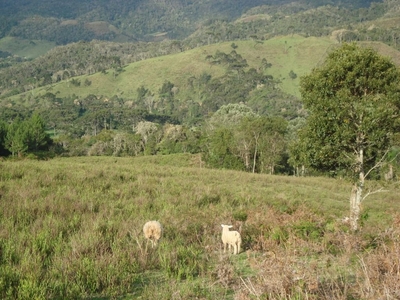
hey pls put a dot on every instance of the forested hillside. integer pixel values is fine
(113, 87)
(65, 22)
(343, 23)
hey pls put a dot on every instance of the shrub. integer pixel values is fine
(308, 230)
(184, 262)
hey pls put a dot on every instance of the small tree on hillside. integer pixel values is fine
(15, 140)
(37, 138)
(354, 105)
(3, 134)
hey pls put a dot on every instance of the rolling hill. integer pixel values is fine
(285, 53)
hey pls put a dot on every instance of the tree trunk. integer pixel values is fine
(355, 206)
(356, 192)
(256, 137)
(389, 174)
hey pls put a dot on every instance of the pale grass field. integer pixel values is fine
(25, 48)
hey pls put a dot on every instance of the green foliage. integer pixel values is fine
(220, 150)
(75, 82)
(231, 115)
(27, 136)
(292, 74)
(38, 139)
(240, 216)
(238, 138)
(353, 104)
(182, 262)
(9, 283)
(16, 137)
(3, 134)
(309, 230)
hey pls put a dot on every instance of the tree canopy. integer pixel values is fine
(354, 105)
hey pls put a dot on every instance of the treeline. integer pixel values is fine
(249, 115)
(264, 22)
(233, 138)
(51, 29)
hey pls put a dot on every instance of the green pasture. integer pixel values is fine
(72, 228)
(25, 48)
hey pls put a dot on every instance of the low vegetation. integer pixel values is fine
(72, 228)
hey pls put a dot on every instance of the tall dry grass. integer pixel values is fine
(71, 228)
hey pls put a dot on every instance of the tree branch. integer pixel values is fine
(378, 164)
(373, 192)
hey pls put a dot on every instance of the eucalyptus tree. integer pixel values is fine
(225, 146)
(260, 141)
(272, 143)
(354, 105)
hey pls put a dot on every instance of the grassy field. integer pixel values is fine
(72, 228)
(25, 48)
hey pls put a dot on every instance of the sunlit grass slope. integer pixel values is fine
(71, 228)
(285, 53)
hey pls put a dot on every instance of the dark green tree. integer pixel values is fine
(3, 134)
(37, 138)
(220, 152)
(354, 106)
(292, 75)
(16, 138)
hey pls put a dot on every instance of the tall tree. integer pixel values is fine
(15, 140)
(3, 134)
(272, 143)
(37, 137)
(226, 145)
(354, 105)
(260, 142)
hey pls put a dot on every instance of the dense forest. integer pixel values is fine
(130, 20)
(224, 116)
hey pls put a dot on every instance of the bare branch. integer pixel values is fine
(378, 164)
(394, 158)
(381, 190)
